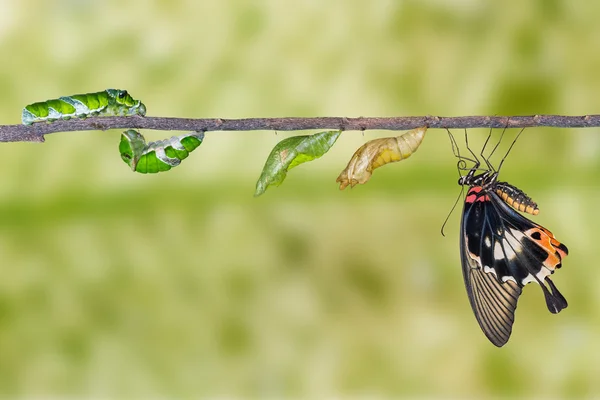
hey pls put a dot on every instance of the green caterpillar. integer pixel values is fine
(156, 156)
(111, 102)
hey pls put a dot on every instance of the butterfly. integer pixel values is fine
(501, 250)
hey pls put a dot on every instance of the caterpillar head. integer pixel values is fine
(131, 147)
(122, 98)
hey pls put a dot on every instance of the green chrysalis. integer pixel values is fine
(290, 153)
(111, 102)
(156, 156)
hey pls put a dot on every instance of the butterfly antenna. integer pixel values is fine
(461, 160)
(510, 148)
(462, 189)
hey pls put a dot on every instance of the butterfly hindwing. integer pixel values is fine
(493, 303)
(536, 252)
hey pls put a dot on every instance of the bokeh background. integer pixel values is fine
(117, 284)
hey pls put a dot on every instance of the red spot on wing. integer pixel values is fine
(474, 194)
(471, 198)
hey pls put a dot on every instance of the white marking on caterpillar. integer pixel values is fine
(162, 156)
(175, 142)
(80, 108)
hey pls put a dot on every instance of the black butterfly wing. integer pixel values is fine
(493, 303)
(501, 251)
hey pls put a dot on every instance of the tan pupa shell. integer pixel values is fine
(378, 152)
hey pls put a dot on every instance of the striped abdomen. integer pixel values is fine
(516, 198)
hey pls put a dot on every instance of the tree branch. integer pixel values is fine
(36, 132)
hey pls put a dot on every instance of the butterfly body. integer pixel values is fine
(516, 198)
(502, 251)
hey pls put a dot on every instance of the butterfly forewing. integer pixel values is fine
(493, 302)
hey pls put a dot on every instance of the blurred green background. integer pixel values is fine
(183, 284)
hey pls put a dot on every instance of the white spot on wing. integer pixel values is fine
(486, 269)
(510, 245)
(489, 270)
(498, 253)
(518, 235)
(544, 272)
(527, 279)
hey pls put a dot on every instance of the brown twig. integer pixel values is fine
(36, 132)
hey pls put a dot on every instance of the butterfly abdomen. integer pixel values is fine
(516, 198)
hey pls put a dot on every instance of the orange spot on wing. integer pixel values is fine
(555, 249)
